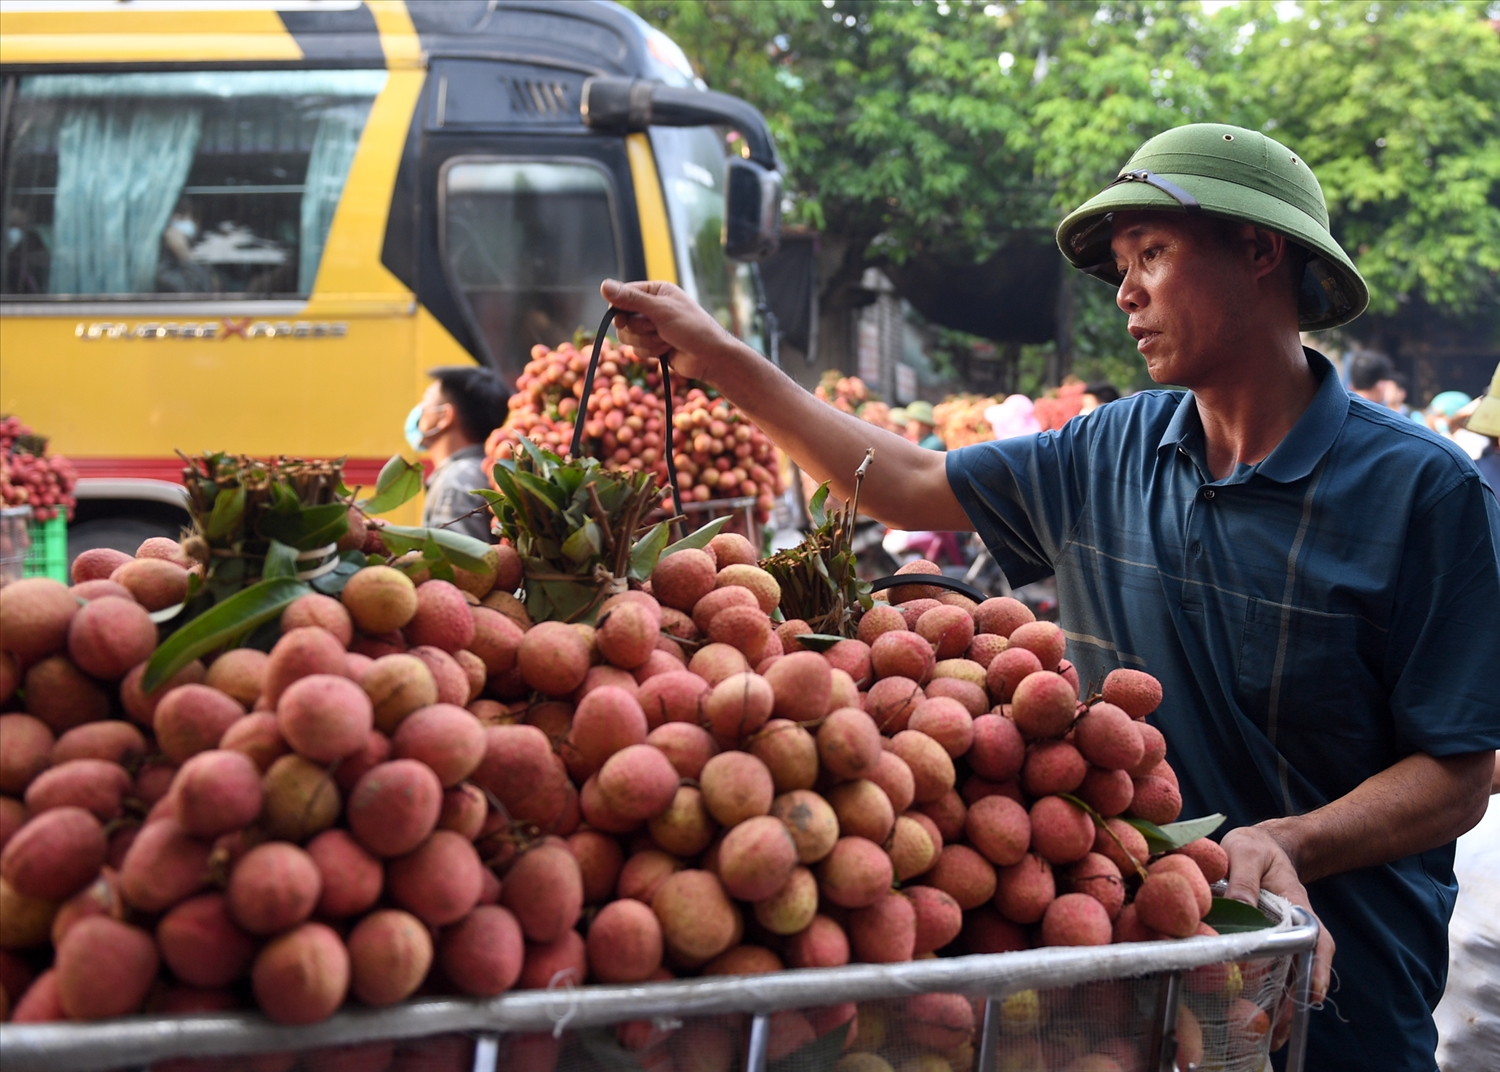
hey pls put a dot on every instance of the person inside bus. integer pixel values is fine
(177, 272)
(460, 408)
(26, 255)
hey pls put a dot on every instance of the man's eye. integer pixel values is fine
(1150, 253)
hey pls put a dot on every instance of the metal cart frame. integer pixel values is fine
(141, 1040)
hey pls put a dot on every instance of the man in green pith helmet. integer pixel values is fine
(1314, 580)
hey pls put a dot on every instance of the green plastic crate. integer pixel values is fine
(48, 556)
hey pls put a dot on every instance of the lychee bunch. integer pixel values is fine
(719, 454)
(31, 477)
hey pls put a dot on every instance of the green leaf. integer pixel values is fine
(399, 482)
(305, 527)
(818, 641)
(698, 538)
(544, 489)
(465, 552)
(1156, 839)
(647, 552)
(1187, 830)
(819, 1054)
(584, 544)
(816, 510)
(1235, 917)
(331, 584)
(281, 561)
(1176, 835)
(228, 512)
(216, 627)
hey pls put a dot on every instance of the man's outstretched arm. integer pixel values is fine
(906, 488)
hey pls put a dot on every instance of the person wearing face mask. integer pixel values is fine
(178, 272)
(458, 411)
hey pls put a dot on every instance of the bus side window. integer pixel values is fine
(185, 184)
(527, 243)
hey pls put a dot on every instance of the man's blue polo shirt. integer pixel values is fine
(1313, 619)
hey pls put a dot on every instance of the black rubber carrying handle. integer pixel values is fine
(935, 580)
(588, 389)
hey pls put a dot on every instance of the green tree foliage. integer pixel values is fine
(948, 126)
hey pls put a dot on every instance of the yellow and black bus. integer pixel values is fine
(254, 225)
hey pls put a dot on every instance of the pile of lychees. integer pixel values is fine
(29, 476)
(718, 453)
(418, 790)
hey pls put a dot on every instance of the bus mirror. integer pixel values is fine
(752, 210)
(625, 104)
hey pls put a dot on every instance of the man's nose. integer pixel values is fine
(1130, 296)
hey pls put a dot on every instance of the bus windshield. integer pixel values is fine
(691, 163)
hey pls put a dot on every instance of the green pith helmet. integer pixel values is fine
(1232, 173)
(920, 411)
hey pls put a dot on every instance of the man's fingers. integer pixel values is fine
(641, 297)
(1247, 869)
(1322, 965)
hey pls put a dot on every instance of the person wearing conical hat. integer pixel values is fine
(1481, 417)
(1314, 579)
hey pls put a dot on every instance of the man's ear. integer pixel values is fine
(1267, 250)
(447, 416)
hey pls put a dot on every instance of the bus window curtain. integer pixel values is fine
(327, 168)
(120, 171)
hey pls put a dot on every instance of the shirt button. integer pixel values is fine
(1208, 493)
(1197, 549)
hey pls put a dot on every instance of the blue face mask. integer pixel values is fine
(414, 434)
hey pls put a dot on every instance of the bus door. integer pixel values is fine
(529, 210)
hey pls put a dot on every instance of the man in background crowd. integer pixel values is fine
(921, 427)
(458, 411)
(1370, 376)
(1097, 394)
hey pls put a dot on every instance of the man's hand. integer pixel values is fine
(1257, 861)
(664, 320)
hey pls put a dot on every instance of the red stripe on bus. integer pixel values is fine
(357, 471)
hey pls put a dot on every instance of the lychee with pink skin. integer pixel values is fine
(1135, 692)
(998, 751)
(1075, 919)
(1000, 829)
(1061, 832)
(1098, 877)
(948, 629)
(1108, 792)
(1052, 767)
(756, 858)
(946, 722)
(1043, 639)
(877, 620)
(1001, 616)
(1024, 890)
(1007, 670)
(849, 743)
(682, 578)
(902, 654)
(638, 782)
(891, 702)
(907, 592)
(1108, 738)
(1043, 705)
(676, 696)
(627, 634)
(801, 684)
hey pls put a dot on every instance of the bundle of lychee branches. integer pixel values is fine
(580, 530)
